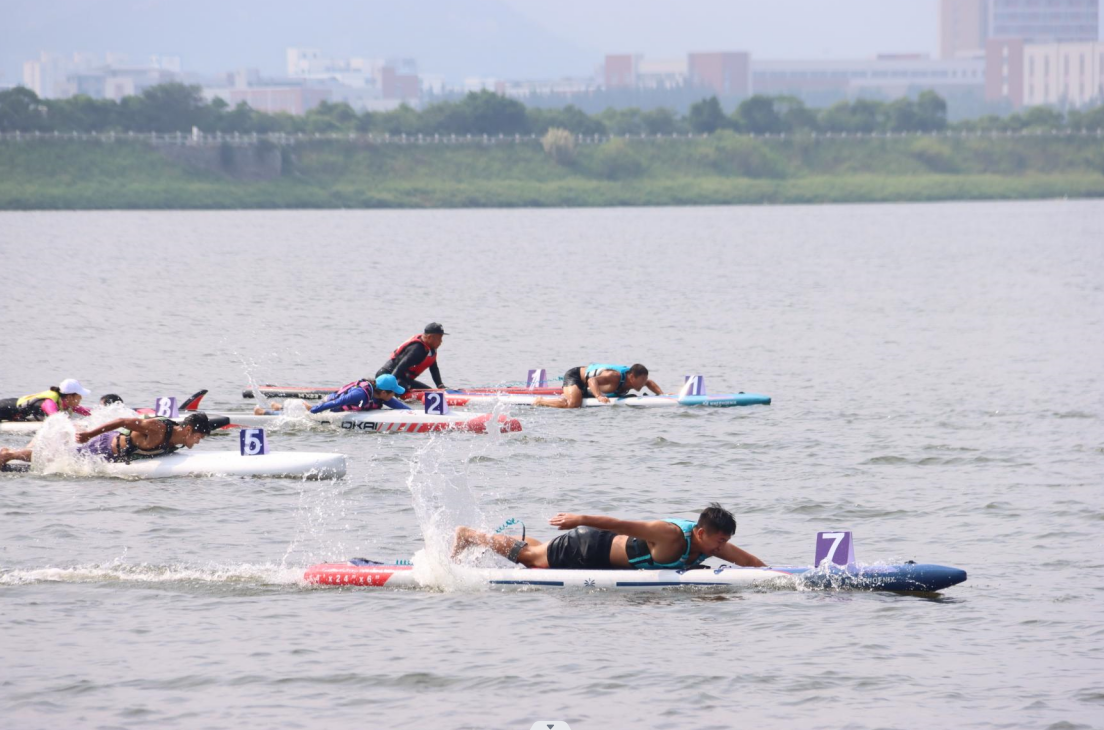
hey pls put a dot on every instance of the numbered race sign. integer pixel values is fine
(836, 548)
(165, 407)
(538, 378)
(435, 403)
(253, 442)
(693, 385)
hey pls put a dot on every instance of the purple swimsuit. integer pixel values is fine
(100, 446)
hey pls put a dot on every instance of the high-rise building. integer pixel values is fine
(1004, 72)
(963, 27)
(1045, 20)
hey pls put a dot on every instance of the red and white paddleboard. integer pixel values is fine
(382, 421)
(309, 392)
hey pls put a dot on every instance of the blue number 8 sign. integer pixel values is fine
(436, 404)
(253, 442)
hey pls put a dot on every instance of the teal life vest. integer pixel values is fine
(640, 555)
(594, 369)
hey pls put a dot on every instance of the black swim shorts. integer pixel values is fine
(571, 377)
(581, 548)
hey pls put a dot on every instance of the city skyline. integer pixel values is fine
(499, 38)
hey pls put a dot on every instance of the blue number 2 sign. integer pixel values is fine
(436, 404)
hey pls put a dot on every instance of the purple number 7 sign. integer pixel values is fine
(835, 547)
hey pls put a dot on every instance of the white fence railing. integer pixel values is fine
(203, 139)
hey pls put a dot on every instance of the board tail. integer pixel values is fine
(192, 402)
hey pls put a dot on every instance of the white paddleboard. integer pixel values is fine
(25, 428)
(293, 464)
(642, 401)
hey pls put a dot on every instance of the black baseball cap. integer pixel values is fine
(435, 328)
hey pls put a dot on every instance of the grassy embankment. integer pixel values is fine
(724, 169)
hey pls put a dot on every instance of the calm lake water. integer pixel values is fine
(936, 375)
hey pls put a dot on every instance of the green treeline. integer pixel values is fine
(611, 164)
(179, 108)
(721, 169)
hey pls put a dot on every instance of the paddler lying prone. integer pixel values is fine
(601, 382)
(597, 543)
(139, 438)
(65, 398)
(360, 395)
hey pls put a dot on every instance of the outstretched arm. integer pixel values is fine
(131, 423)
(652, 386)
(733, 554)
(651, 530)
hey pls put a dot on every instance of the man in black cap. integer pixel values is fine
(413, 357)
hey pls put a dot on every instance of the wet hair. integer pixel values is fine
(716, 518)
(108, 398)
(56, 389)
(638, 370)
(199, 423)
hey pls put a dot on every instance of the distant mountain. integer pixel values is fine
(448, 37)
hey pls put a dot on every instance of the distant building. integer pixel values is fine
(963, 27)
(364, 83)
(727, 74)
(823, 82)
(966, 25)
(620, 71)
(661, 73)
(274, 96)
(527, 90)
(1004, 79)
(1044, 20)
(54, 76)
(398, 79)
(1063, 74)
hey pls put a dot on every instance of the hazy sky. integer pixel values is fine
(767, 28)
(509, 39)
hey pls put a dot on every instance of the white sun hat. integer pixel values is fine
(69, 386)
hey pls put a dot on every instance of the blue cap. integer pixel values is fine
(388, 382)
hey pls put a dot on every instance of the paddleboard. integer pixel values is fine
(383, 421)
(20, 427)
(310, 392)
(28, 428)
(294, 464)
(640, 401)
(909, 577)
